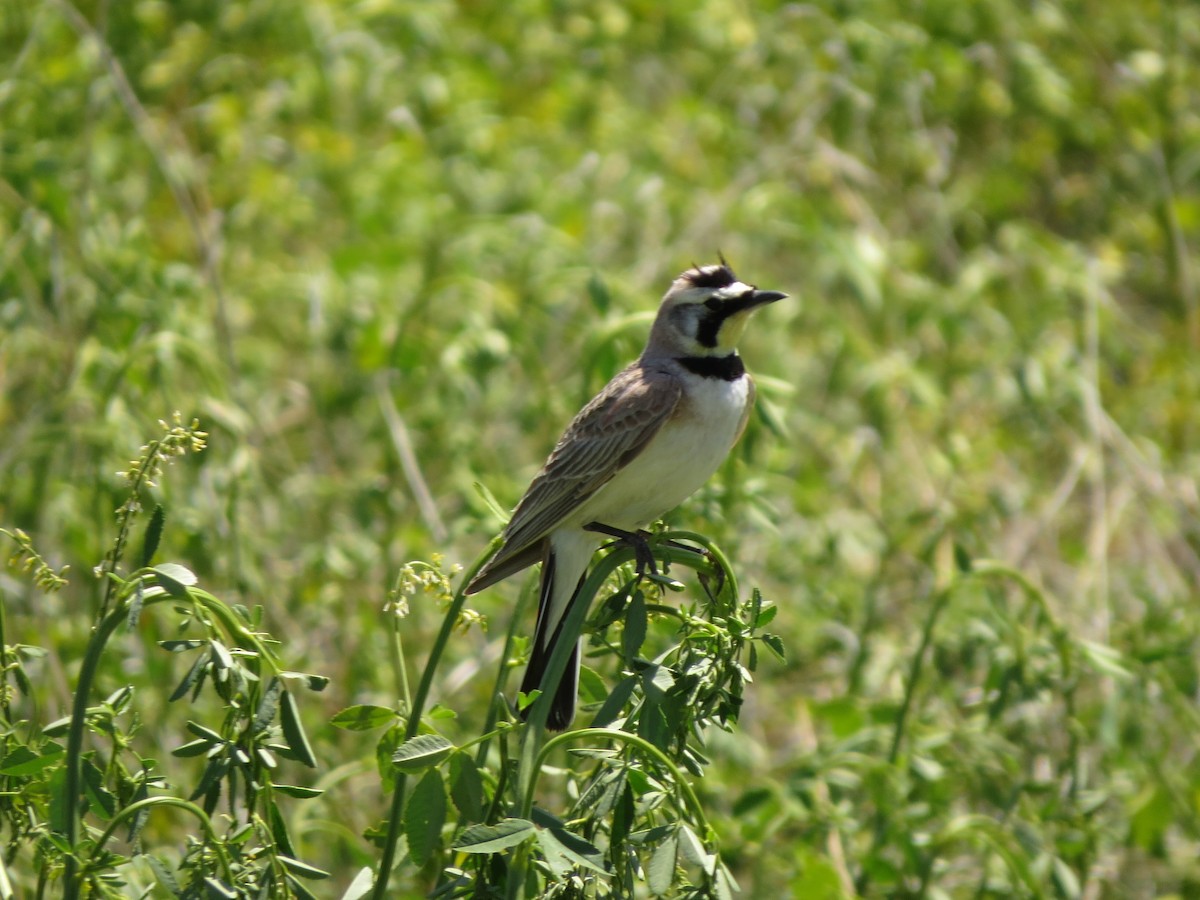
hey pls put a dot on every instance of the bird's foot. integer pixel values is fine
(639, 540)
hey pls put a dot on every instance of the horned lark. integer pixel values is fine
(644, 444)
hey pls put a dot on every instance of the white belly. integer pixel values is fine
(677, 461)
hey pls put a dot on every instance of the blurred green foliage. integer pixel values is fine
(384, 249)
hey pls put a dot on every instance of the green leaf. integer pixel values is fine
(303, 869)
(218, 889)
(726, 884)
(652, 724)
(615, 704)
(118, 701)
(424, 816)
(180, 646)
(525, 700)
(163, 874)
(135, 606)
(203, 731)
(297, 791)
(268, 706)
(194, 677)
(817, 878)
(279, 831)
(174, 579)
(1066, 879)
(635, 626)
(24, 761)
(624, 812)
(139, 819)
(962, 558)
(153, 534)
(193, 748)
(299, 890)
(58, 802)
(293, 730)
(592, 688)
(693, 848)
(775, 644)
(489, 499)
(1105, 659)
(315, 683)
(100, 800)
(598, 292)
(363, 717)
(600, 796)
(421, 752)
(565, 851)
(765, 616)
(361, 885)
(494, 838)
(660, 870)
(751, 800)
(1151, 817)
(210, 781)
(391, 739)
(466, 787)
(221, 657)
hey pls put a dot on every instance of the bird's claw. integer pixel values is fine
(638, 540)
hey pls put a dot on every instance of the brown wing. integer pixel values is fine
(611, 430)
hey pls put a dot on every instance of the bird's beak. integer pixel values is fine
(758, 298)
(751, 300)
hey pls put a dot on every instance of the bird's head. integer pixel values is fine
(705, 310)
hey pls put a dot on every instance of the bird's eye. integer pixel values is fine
(713, 303)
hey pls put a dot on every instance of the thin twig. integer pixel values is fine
(1098, 537)
(408, 460)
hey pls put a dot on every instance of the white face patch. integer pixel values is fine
(731, 291)
(708, 321)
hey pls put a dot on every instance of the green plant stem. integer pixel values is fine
(534, 735)
(205, 822)
(910, 690)
(101, 633)
(5, 708)
(235, 629)
(532, 738)
(979, 569)
(720, 560)
(914, 672)
(399, 666)
(126, 513)
(83, 689)
(532, 753)
(625, 737)
(494, 707)
(396, 817)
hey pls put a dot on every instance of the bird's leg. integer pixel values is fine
(699, 551)
(639, 540)
(705, 555)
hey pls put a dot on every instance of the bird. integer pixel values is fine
(652, 436)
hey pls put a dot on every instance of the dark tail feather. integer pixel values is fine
(562, 705)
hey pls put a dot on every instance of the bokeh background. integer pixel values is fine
(384, 249)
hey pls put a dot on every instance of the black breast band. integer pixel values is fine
(727, 368)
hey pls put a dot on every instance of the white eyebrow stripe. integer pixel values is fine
(736, 289)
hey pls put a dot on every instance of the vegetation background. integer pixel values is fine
(383, 250)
